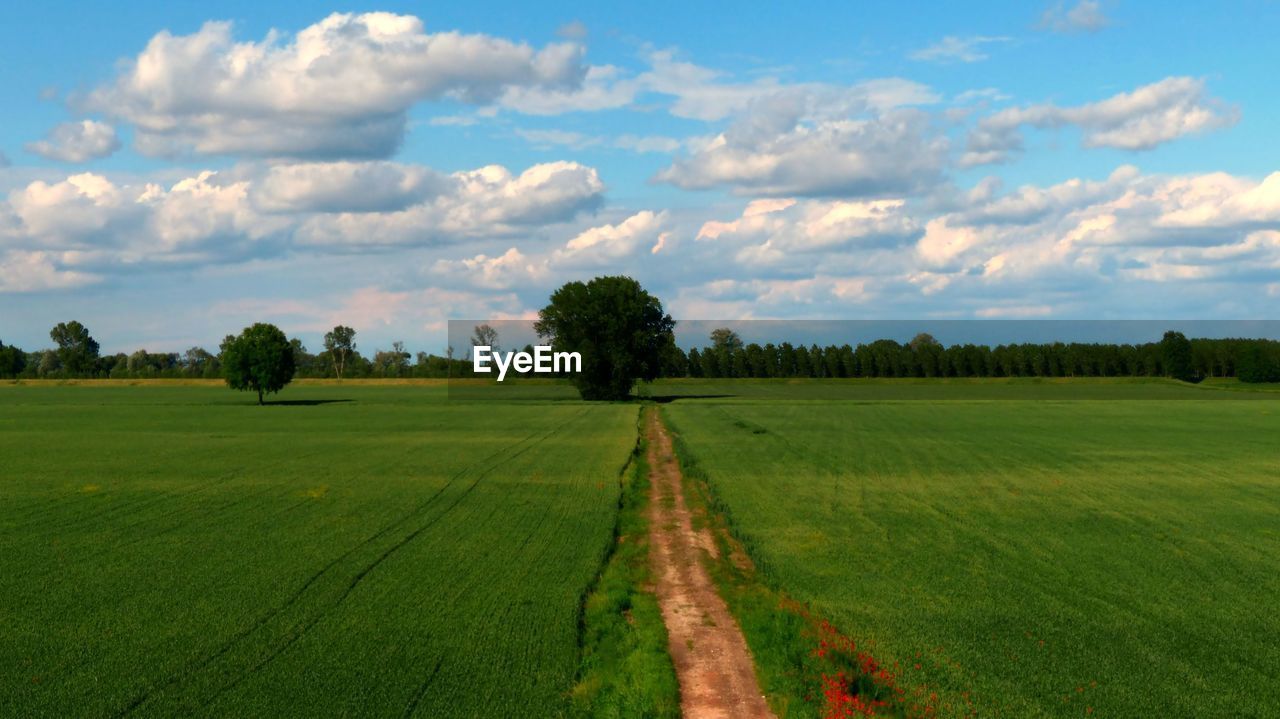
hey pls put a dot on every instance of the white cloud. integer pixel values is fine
(770, 232)
(604, 87)
(510, 269)
(1142, 119)
(345, 187)
(338, 88)
(953, 48)
(606, 245)
(77, 142)
(90, 224)
(37, 272)
(778, 152)
(1154, 245)
(1084, 16)
(488, 202)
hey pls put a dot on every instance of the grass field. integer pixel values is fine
(372, 548)
(1064, 558)
(357, 550)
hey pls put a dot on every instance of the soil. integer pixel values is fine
(712, 661)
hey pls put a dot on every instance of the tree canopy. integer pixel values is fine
(340, 342)
(723, 338)
(77, 349)
(1176, 350)
(620, 330)
(12, 360)
(260, 359)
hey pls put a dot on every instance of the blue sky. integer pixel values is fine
(172, 172)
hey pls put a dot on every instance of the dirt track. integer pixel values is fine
(713, 664)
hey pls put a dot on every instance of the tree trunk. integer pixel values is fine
(260, 402)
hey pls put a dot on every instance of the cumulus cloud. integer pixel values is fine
(1153, 244)
(953, 48)
(770, 232)
(607, 244)
(510, 269)
(36, 272)
(1139, 120)
(488, 202)
(779, 151)
(346, 187)
(90, 224)
(337, 89)
(76, 142)
(1084, 16)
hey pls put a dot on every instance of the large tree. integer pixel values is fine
(619, 329)
(77, 349)
(260, 359)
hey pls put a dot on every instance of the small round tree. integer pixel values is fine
(259, 359)
(619, 329)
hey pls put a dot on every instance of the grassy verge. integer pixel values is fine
(806, 666)
(626, 669)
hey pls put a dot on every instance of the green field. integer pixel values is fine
(375, 549)
(1114, 558)
(358, 550)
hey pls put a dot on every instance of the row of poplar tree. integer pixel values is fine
(1173, 356)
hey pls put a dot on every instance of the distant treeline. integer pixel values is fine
(1174, 356)
(76, 356)
(1253, 360)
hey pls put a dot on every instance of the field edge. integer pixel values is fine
(626, 668)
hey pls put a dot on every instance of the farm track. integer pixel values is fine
(713, 664)
(293, 631)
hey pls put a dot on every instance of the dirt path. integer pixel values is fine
(713, 664)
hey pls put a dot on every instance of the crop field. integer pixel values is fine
(1053, 558)
(352, 550)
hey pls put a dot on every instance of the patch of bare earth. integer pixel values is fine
(714, 667)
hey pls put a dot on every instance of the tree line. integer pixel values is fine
(1251, 360)
(75, 354)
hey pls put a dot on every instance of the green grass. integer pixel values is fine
(626, 670)
(364, 550)
(962, 389)
(1032, 558)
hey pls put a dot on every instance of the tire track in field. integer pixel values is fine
(712, 661)
(412, 707)
(298, 634)
(92, 515)
(201, 512)
(504, 454)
